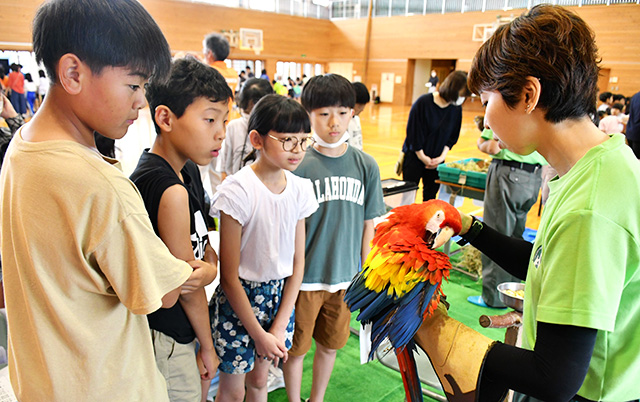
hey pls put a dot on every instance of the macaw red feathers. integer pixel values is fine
(400, 256)
(401, 278)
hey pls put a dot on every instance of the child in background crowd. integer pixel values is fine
(355, 129)
(238, 151)
(347, 184)
(189, 112)
(30, 87)
(262, 235)
(82, 265)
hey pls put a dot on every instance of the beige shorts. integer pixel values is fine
(322, 316)
(177, 363)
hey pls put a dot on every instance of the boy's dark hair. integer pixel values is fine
(326, 91)
(102, 33)
(362, 93)
(618, 106)
(452, 85)
(218, 44)
(550, 43)
(604, 96)
(280, 114)
(15, 67)
(253, 90)
(188, 79)
(618, 97)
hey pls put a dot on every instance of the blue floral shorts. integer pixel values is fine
(234, 346)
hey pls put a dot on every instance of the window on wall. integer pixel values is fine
(381, 8)
(286, 69)
(240, 65)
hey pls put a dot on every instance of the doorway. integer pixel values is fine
(422, 73)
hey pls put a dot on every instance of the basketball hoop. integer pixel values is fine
(251, 39)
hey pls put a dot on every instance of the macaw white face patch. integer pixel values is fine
(537, 257)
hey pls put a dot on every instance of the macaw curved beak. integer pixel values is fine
(443, 236)
(430, 237)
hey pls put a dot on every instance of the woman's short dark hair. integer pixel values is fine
(550, 43)
(280, 114)
(189, 79)
(102, 33)
(362, 93)
(28, 77)
(253, 90)
(326, 91)
(218, 44)
(452, 85)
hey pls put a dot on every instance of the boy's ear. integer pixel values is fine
(164, 118)
(72, 72)
(256, 139)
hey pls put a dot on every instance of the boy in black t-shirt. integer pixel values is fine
(190, 112)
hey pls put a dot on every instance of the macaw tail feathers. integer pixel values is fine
(409, 371)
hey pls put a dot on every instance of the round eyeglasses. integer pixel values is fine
(289, 144)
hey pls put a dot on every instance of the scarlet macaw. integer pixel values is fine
(400, 281)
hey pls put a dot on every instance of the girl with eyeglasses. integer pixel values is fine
(262, 238)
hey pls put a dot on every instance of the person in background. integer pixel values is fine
(581, 297)
(43, 87)
(433, 129)
(279, 88)
(607, 100)
(433, 82)
(238, 151)
(264, 75)
(249, 73)
(31, 88)
(15, 89)
(633, 124)
(338, 234)
(355, 129)
(74, 225)
(261, 263)
(216, 50)
(615, 122)
(512, 188)
(242, 78)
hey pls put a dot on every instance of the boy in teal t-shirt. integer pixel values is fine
(349, 193)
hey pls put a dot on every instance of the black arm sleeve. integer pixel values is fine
(553, 371)
(510, 253)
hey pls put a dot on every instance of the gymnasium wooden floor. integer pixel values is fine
(383, 129)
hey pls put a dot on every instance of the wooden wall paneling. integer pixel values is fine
(15, 23)
(286, 37)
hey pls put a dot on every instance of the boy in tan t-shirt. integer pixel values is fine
(81, 262)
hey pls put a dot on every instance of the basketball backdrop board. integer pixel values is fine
(251, 39)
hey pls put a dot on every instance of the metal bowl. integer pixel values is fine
(511, 301)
